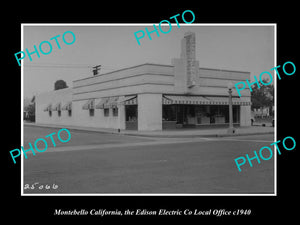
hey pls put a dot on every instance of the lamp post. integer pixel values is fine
(231, 129)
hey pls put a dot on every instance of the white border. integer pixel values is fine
(151, 24)
(22, 113)
(275, 110)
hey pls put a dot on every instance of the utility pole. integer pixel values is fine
(96, 69)
(231, 129)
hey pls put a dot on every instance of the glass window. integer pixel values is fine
(59, 113)
(190, 110)
(106, 112)
(236, 113)
(218, 114)
(91, 112)
(169, 113)
(202, 114)
(69, 112)
(50, 113)
(115, 111)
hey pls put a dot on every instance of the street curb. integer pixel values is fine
(149, 135)
(70, 128)
(199, 135)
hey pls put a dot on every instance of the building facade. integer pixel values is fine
(149, 97)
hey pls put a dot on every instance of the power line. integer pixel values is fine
(67, 66)
(58, 66)
(85, 68)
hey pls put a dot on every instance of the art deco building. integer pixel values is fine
(150, 97)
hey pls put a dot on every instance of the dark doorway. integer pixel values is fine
(131, 117)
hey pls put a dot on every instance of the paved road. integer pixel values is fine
(110, 163)
(78, 137)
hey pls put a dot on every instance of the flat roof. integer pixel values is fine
(154, 64)
(157, 64)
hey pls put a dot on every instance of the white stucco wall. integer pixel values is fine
(149, 82)
(150, 112)
(83, 118)
(143, 78)
(79, 116)
(44, 99)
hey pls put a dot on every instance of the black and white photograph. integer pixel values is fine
(146, 111)
(149, 113)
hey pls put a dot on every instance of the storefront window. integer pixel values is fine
(202, 114)
(208, 114)
(219, 114)
(236, 113)
(190, 114)
(169, 113)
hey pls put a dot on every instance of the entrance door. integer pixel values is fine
(131, 117)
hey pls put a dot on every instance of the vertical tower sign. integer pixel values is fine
(190, 57)
(186, 68)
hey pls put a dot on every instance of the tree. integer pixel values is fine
(60, 84)
(29, 109)
(263, 96)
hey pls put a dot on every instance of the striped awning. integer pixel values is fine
(185, 100)
(128, 100)
(112, 102)
(67, 106)
(100, 104)
(48, 108)
(57, 107)
(90, 104)
(202, 100)
(225, 101)
(167, 101)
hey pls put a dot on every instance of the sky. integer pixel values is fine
(241, 48)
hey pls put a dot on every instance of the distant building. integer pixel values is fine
(149, 97)
(263, 111)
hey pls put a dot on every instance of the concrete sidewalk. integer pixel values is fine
(178, 133)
